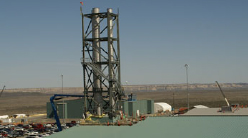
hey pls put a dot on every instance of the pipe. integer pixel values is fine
(96, 59)
(111, 58)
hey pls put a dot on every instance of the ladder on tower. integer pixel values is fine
(96, 69)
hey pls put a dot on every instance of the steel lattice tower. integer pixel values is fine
(101, 61)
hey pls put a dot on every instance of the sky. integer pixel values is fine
(41, 39)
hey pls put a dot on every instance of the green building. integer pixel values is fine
(75, 108)
(72, 108)
(174, 127)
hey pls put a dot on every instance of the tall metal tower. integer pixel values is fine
(101, 61)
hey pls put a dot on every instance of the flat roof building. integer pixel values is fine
(177, 127)
(215, 112)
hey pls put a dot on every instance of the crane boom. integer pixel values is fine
(222, 93)
(2, 91)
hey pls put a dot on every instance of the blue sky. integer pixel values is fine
(40, 40)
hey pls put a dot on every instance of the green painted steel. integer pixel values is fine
(177, 127)
(130, 107)
(150, 106)
(74, 109)
(133, 106)
(125, 107)
(142, 107)
(60, 110)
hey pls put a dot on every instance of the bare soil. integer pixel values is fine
(27, 103)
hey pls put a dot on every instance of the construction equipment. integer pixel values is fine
(222, 93)
(2, 90)
(224, 108)
(55, 109)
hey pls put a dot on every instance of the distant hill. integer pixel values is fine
(55, 90)
(183, 87)
(141, 88)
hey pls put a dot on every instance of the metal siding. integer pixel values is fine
(130, 108)
(143, 107)
(150, 106)
(60, 110)
(126, 109)
(138, 106)
(146, 107)
(124, 105)
(177, 127)
(135, 108)
(75, 108)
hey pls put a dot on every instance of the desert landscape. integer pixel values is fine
(33, 100)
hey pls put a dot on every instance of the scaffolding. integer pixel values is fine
(101, 61)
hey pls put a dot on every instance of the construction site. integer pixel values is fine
(105, 107)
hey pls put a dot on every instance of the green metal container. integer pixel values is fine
(143, 107)
(150, 106)
(73, 109)
(60, 110)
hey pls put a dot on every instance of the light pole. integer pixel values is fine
(63, 100)
(173, 102)
(186, 66)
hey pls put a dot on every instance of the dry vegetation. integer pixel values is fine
(28, 103)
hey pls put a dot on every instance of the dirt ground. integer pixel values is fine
(208, 98)
(27, 103)
(35, 103)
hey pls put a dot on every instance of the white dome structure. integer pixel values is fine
(200, 106)
(161, 107)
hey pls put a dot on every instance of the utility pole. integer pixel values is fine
(187, 80)
(63, 99)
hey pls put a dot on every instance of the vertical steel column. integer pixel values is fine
(84, 66)
(111, 59)
(96, 59)
(118, 51)
(187, 80)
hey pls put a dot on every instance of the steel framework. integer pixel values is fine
(101, 61)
